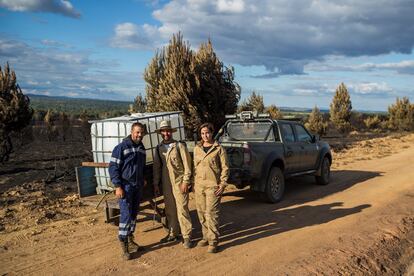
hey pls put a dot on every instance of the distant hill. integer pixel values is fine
(76, 105)
(323, 110)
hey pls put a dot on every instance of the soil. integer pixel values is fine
(362, 223)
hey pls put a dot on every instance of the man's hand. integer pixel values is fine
(219, 190)
(156, 190)
(119, 192)
(184, 188)
(145, 183)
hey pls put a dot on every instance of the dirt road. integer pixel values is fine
(361, 223)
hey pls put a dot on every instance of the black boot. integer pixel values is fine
(132, 245)
(169, 238)
(125, 252)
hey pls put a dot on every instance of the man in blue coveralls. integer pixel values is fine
(126, 169)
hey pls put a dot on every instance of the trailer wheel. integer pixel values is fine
(275, 185)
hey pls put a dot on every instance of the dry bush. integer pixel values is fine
(253, 103)
(357, 121)
(316, 122)
(372, 122)
(401, 115)
(274, 112)
(140, 105)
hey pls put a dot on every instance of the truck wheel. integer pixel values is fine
(275, 185)
(323, 179)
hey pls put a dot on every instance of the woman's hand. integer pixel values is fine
(184, 188)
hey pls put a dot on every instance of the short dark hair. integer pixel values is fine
(210, 127)
(138, 124)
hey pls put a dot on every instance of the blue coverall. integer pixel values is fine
(126, 169)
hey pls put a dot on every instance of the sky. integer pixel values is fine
(294, 53)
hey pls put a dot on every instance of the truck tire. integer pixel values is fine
(323, 179)
(275, 185)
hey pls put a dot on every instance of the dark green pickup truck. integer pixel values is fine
(263, 152)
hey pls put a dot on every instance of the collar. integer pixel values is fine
(172, 141)
(215, 144)
(129, 141)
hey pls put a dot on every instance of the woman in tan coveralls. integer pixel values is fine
(211, 174)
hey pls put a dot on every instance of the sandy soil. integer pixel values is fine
(362, 223)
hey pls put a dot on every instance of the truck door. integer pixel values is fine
(309, 150)
(292, 149)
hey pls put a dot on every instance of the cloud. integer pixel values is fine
(53, 43)
(401, 67)
(285, 67)
(327, 90)
(131, 36)
(285, 35)
(312, 90)
(230, 6)
(60, 71)
(62, 7)
(373, 89)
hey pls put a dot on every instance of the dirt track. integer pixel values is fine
(361, 223)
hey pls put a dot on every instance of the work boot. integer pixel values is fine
(187, 243)
(132, 245)
(212, 249)
(202, 243)
(125, 253)
(169, 238)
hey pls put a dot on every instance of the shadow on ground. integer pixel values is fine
(248, 218)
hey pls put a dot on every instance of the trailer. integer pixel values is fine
(93, 180)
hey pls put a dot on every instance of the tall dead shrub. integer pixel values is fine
(85, 126)
(15, 111)
(51, 129)
(196, 83)
(65, 126)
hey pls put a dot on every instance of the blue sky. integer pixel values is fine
(292, 52)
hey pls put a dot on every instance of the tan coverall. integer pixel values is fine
(173, 169)
(211, 171)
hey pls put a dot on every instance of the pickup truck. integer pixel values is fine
(263, 152)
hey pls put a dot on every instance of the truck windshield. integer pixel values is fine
(254, 131)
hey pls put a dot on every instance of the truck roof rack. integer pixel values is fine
(248, 115)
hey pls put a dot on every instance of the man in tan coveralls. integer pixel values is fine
(172, 167)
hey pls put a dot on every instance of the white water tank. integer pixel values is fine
(108, 133)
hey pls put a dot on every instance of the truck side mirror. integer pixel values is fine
(315, 138)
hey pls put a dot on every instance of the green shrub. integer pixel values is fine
(340, 109)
